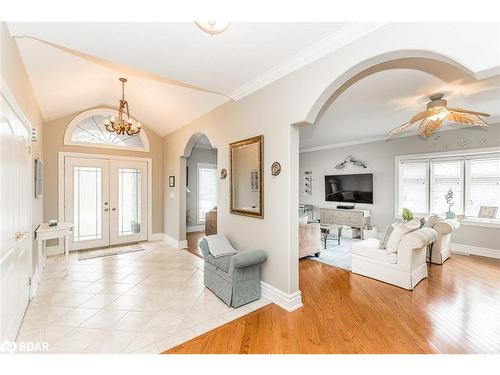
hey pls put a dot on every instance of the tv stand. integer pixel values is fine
(351, 217)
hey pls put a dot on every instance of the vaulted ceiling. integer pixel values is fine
(176, 72)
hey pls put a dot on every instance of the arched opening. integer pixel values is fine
(198, 191)
(87, 129)
(425, 73)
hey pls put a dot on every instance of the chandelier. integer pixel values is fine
(124, 123)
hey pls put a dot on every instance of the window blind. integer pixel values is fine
(446, 175)
(207, 191)
(413, 186)
(482, 184)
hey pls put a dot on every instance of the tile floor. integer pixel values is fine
(142, 302)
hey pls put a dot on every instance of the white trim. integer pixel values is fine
(100, 111)
(287, 301)
(410, 133)
(333, 42)
(474, 250)
(61, 174)
(177, 244)
(480, 223)
(195, 228)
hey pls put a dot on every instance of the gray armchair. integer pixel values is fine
(235, 279)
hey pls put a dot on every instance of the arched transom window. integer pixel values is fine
(87, 129)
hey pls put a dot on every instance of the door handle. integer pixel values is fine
(106, 209)
(20, 235)
(113, 209)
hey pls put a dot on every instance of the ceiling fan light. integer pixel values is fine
(213, 27)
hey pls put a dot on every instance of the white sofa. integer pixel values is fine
(441, 247)
(405, 268)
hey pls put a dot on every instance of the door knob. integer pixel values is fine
(19, 235)
(106, 209)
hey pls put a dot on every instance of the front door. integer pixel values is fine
(106, 200)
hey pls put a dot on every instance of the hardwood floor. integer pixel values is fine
(192, 239)
(455, 310)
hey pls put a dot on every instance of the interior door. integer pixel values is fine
(128, 201)
(15, 221)
(87, 201)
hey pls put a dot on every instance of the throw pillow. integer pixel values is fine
(387, 233)
(400, 230)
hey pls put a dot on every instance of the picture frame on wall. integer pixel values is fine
(171, 181)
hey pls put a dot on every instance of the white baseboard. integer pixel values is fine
(156, 237)
(182, 244)
(287, 301)
(474, 250)
(195, 228)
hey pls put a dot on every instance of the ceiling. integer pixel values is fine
(176, 72)
(379, 102)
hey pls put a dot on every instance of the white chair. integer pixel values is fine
(405, 268)
(441, 247)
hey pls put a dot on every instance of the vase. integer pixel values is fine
(450, 214)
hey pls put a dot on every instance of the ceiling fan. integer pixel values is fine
(437, 111)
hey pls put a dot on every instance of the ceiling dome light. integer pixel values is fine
(213, 27)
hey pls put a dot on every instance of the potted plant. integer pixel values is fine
(450, 202)
(407, 215)
(135, 226)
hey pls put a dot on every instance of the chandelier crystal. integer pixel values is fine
(124, 124)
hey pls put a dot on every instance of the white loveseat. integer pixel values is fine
(405, 268)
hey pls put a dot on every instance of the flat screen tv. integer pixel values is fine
(352, 188)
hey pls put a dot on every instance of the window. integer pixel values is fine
(482, 185)
(446, 175)
(414, 185)
(207, 189)
(87, 129)
(473, 178)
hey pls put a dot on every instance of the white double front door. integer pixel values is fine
(106, 200)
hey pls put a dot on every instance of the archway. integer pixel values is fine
(197, 190)
(431, 63)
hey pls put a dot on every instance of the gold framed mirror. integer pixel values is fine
(247, 177)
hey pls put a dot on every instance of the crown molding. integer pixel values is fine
(325, 46)
(492, 121)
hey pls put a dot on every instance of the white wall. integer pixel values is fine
(198, 155)
(380, 160)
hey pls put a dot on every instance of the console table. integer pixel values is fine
(45, 232)
(337, 216)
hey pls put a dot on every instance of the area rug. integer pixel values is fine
(334, 255)
(108, 251)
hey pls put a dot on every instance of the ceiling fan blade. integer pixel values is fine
(428, 127)
(425, 114)
(465, 118)
(399, 129)
(469, 112)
